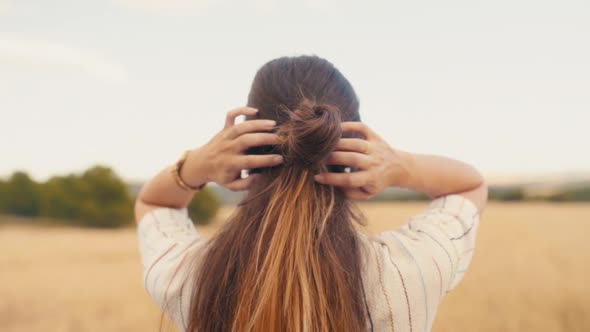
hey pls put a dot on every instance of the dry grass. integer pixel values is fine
(530, 272)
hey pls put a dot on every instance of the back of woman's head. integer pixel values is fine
(288, 259)
(308, 97)
(288, 81)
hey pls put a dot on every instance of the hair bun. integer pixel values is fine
(320, 109)
(310, 134)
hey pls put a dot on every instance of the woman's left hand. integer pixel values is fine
(222, 159)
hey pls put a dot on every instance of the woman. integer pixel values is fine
(290, 258)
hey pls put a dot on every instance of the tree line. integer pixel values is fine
(97, 197)
(577, 192)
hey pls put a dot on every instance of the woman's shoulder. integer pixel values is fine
(408, 270)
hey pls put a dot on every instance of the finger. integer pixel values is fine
(242, 184)
(347, 180)
(353, 144)
(358, 127)
(354, 159)
(258, 161)
(231, 116)
(251, 126)
(256, 139)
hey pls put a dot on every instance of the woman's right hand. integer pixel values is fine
(378, 165)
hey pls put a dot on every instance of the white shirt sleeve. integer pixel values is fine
(431, 252)
(166, 236)
(449, 227)
(441, 239)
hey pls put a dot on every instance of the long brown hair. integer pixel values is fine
(288, 259)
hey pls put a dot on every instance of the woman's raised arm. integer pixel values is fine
(220, 160)
(380, 166)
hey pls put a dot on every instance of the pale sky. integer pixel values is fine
(503, 85)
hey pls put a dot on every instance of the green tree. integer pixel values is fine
(572, 195)
(111, 204)
(22, 195)
(506, 193)
(97, 198)
(203, 207)
(64, 197)
(3, 195)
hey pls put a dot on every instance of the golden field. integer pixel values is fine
(530, 272)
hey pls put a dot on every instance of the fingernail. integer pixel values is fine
(271, 122)
(318, 177)
(278, 159)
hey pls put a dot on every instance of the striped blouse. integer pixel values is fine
(406, 271)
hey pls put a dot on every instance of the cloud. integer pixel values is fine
(42, 56)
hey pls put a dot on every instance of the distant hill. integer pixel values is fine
(572, 186)
(567, 186)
